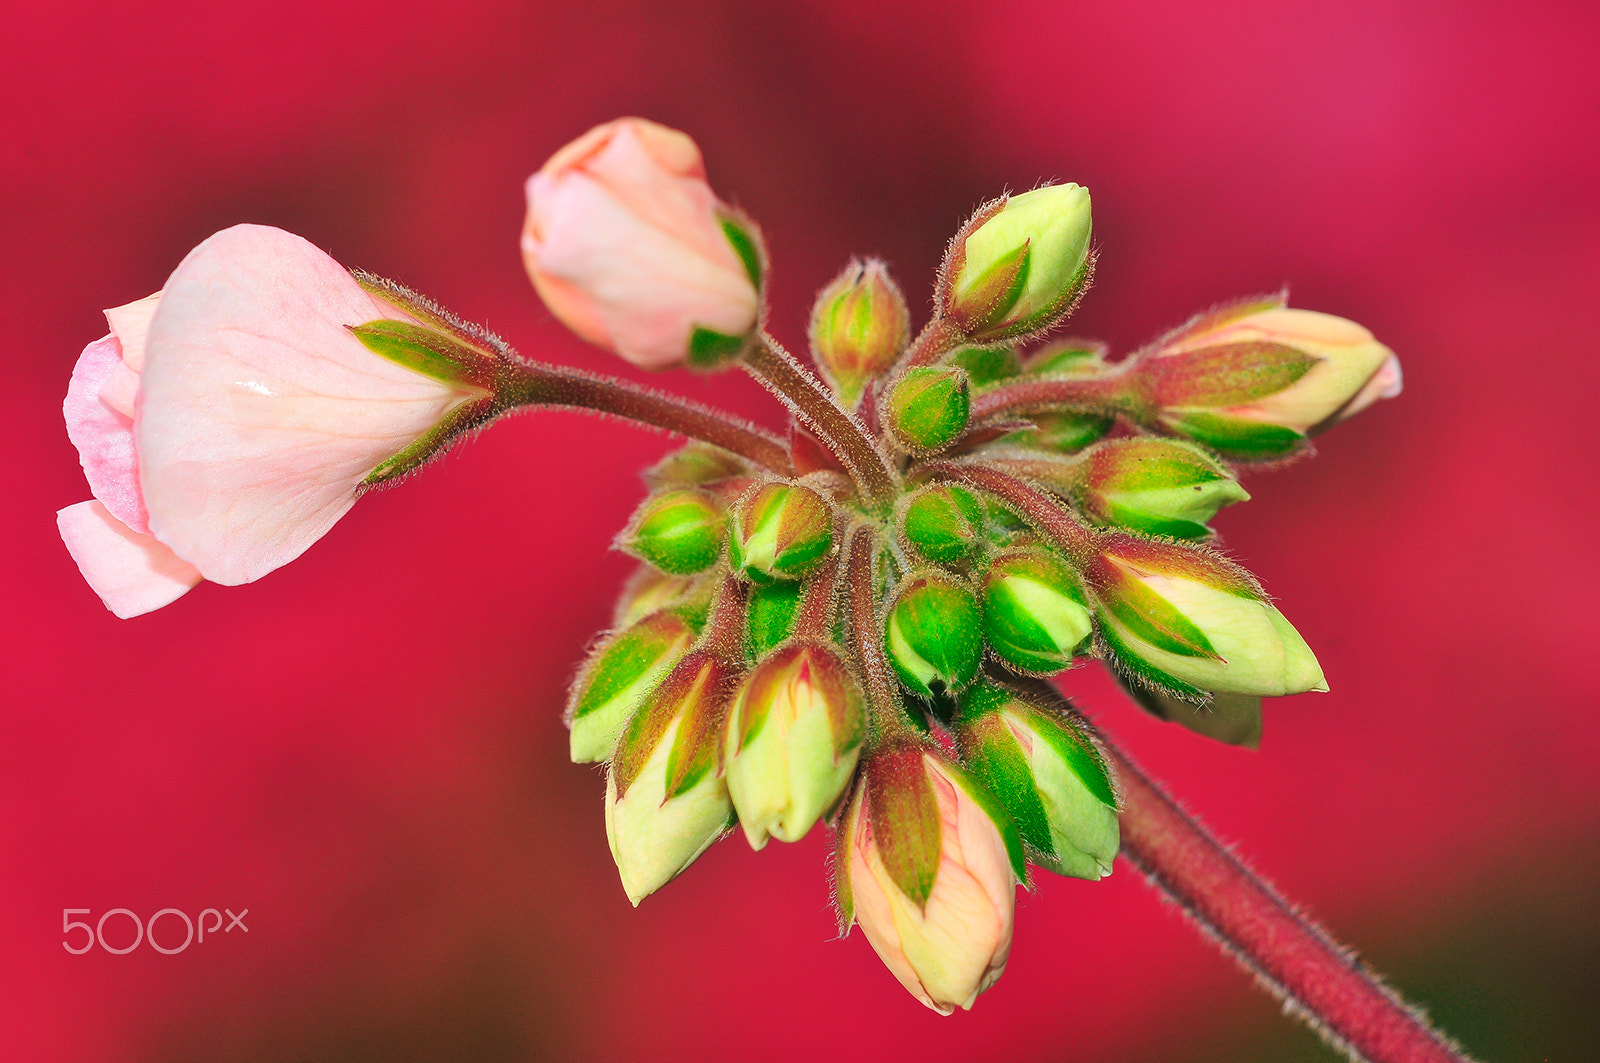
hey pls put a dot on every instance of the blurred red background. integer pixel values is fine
(365, 750)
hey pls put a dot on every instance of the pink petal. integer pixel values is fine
(260, 414)
(132, 573)
(104, 436)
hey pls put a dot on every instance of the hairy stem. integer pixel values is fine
(866, 633)
(1028, 502)
(811, 402)
(937, 339)
(1109, 394)
(1317, 979)
(533, 384)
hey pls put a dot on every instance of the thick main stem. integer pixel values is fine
(812, 404)
(533, 384)
(1109, 394)
(1317, 979)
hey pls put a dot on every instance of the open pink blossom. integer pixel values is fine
(227, 423)
(629, 247)
(952, 948)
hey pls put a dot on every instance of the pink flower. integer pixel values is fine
(226, 423)
(629, 247)
(953, 946)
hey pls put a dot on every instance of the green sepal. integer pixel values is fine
(906, 824)
(987, 365)
(1234, 719)
(678, 531)
(710, 349)
(747, 247)
(697, 749)
(929, 407)
(1227, 374)
(1079, 753)
(629, 658)
(945, 524)
(1155, 524)
(1234, 436)
(934, 627)
(1035, 617)
(695, 464)
(1131, 664)
(993, 292)
(1151, 618)
(434, 441)
(1072, 357)
(992, 753)
(427, 351)
(771, 613)
(1066, 432)
(997, 813)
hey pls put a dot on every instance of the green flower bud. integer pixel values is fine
(1020, 265)
(1049, 776)
(1231, 718)
(794, 735)
(695, 464)
(1068, 357)
(1065, 433)
(987, 365)
(1188, 622)
(780, 531)
(859, 326)
(649, 589)
(1156, 486)
(770, 616)
(1034, 617)
(945, 524)
(677, 531)
(622, 671)
(927, 410)
(666, 802)
(934, 635)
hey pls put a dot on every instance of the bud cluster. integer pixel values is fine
(859, 634)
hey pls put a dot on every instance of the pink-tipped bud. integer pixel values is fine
(629, 247)
(1254, 379)
(928, 863)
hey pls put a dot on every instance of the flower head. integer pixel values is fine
(629, 247)
(227, 424)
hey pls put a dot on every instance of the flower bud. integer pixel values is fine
(1068, 357)
(928, 407)
(1065, 433)
(1188, 622)
(621, 672)
(934, 635)
(770, 615)
(1019, 265)
(695, 465)
(1034, 617)
(629, 248)
(1254, 379)
(666, 802)
(780, 531)
(859, 326)
(1049, 776)
(1155, 485)
(987, 365)
(927, 864)
(677, 531)
(945, 524)
(650, 589)
(794, 735)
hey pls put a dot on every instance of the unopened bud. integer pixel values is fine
(780, 531)
(621, 672)
(677, 531)
(1255, 379)
(927, 863)
(794, 735)
(1034, 616)
(648, 590)
(1049, 776)
(666, 802)
(1068, 357)
(928, 408)
(1231, 718)
(934, 635)
(1021, 268)
(945, 524)
(695, 464)
(1188, 622)
(859, 326)
(1155, 485)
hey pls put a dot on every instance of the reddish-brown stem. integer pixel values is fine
(813, 621)
(1108, 394)
(1032, 505)
(938, 338)
(1315, 977)
(866, 634)
(812, 403)
(724, 630)
(533, 384)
